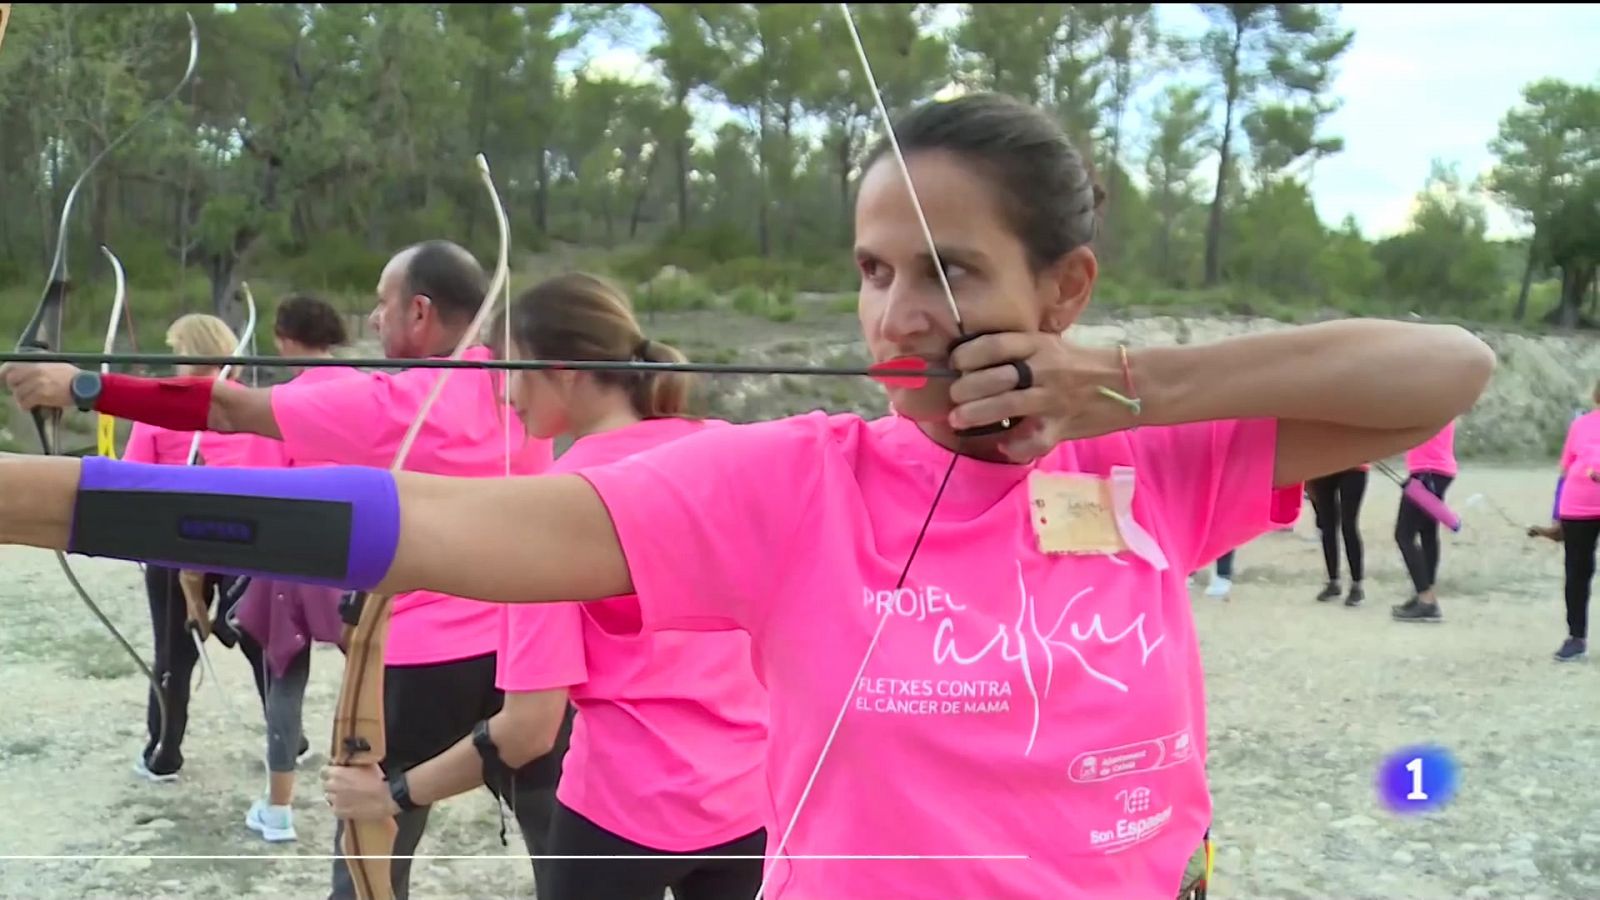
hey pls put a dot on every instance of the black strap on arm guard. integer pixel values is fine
(498, 777)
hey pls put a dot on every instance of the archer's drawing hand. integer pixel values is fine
(358, 792)
(1062, 402)
(39, 385)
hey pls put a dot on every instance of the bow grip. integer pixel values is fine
(47, 423)
(999, 427)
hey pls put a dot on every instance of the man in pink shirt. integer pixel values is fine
(439, 677)
(1433, 463)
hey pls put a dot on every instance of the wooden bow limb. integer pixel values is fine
(193, 585)
(358, 723)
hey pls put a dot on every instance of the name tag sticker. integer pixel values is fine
(1073, 513)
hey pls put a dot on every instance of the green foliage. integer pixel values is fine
(306, 153)
(1445, 259)
(775, 304)
(336, 262)
(678, 292)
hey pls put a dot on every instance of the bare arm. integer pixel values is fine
(519, 540)
(243, 409)
(524, 730)
(1345, 392)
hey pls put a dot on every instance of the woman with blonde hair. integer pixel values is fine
(180, 602)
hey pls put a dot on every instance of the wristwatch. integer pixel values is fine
(85, 387)
(401, 792)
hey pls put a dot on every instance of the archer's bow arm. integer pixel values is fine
(530, 539)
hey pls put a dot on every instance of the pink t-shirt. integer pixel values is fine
(1437, 454)
(1580, 495)
(361, 420)
(669, 746)
(1016, 703)
(163, 446)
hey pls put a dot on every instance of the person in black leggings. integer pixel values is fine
(1579, 537)
(1337, 501)
(1577, 510)
(1433, 465)
(175, 659)
(1417, 533)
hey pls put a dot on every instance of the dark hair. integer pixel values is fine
(1047, 189)
(450, 276)
(311, 321)
(582, 316)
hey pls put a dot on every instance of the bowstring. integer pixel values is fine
(949, 295)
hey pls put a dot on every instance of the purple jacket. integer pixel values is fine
(285, 616)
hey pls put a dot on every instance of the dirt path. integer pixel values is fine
(1305, 699)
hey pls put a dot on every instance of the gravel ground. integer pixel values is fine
(1305, 698)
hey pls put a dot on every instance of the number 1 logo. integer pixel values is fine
(1415, 768)
(1417, 779)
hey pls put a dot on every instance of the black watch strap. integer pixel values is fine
(401, 792)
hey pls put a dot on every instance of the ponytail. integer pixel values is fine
(584, 317)
(660, 395)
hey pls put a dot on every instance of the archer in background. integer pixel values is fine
(1576, 524)
(1431, 463)
(1336, 499)
(181, 601)
(283, 616)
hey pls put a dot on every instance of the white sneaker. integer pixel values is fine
(274, 823)
(1219, 587)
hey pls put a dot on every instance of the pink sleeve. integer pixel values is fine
(348, 421)
(541, 647)
(141, 444)
(1213, 484)
(708, 523)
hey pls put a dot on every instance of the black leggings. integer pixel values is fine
(1417, 533)
(175, 660)
(603, 878)
(1337, 501)
(1579, 537)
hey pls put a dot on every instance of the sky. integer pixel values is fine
(1417, 84)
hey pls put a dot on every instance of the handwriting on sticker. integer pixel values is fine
(1072, 513)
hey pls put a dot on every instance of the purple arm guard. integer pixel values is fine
(336, 526)
(1555, 509)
